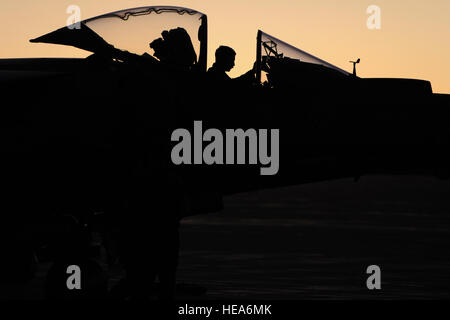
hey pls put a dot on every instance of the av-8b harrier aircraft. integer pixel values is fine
(79, 134)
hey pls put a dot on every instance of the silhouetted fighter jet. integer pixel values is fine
(79, 134)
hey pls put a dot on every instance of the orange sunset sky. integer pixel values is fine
(413, 41)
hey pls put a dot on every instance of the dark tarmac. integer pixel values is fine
(314, 242)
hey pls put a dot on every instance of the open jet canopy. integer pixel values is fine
(133, 30)
(273, 47)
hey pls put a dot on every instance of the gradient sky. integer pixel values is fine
(413, 41)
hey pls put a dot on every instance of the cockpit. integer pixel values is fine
(180, 34)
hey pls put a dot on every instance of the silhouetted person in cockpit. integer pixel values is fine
(175, 47)
(225, 59)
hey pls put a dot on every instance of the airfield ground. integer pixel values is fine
(315, 242)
